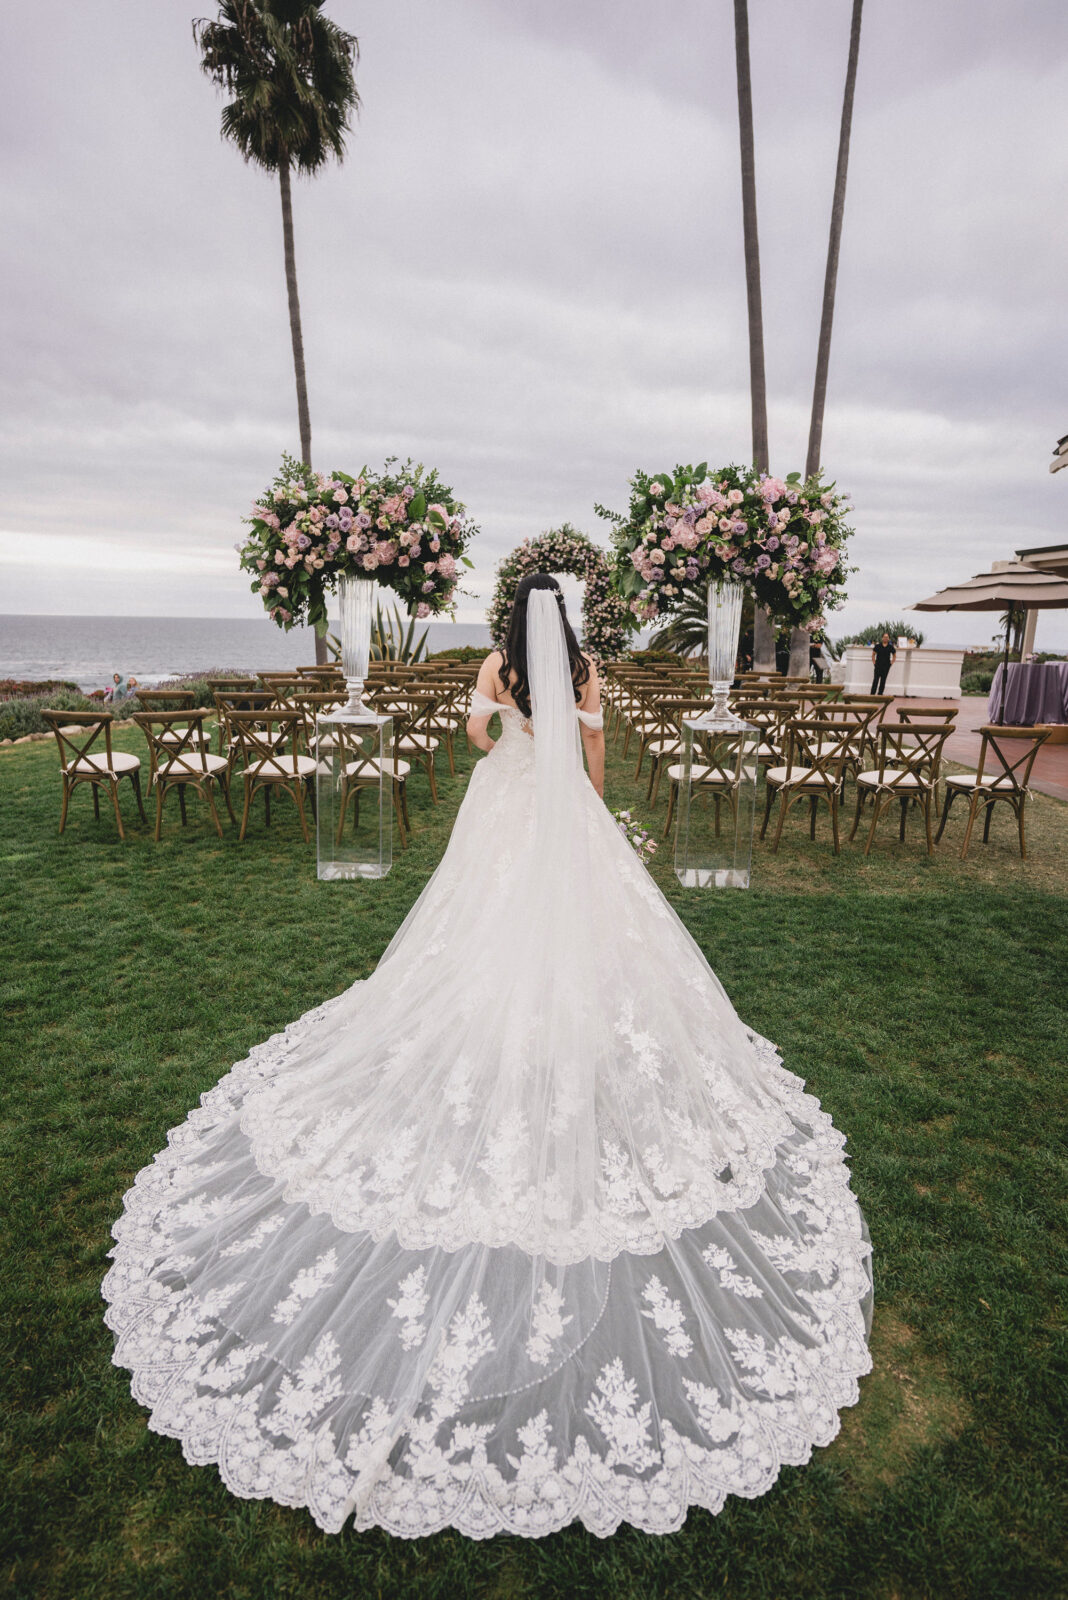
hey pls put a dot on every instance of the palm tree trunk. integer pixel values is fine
(823, 353)
(303, 416)
(763, 634)
(799, 639)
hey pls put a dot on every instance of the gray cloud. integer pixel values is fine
(529, 272)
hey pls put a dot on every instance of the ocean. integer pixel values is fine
(88, 650)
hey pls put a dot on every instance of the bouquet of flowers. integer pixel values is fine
(400, 526)
(639, 838)
(782, 537)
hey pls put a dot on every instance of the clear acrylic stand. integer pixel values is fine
(354, 794)
(717, 802)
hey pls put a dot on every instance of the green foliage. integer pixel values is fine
(27, 688)
(874, 632)
(463, 652)
(21, 714)
(290, 72)
(922, 1000)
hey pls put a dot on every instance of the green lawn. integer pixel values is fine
(924, 1002)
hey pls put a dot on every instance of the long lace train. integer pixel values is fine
(520, 1230)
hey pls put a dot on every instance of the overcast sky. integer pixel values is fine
(529, 273)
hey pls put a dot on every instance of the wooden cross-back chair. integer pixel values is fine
(268, 744)
(173, 700)
(910, 759)
(361, 769)
(816, 753)
(76, 733)
(232, 700)
(179, 758)
(417, 741)
(716, 770)
(1006, 757)
(666, 749)
(231, 683)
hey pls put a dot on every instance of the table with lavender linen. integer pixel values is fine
(1037, 692)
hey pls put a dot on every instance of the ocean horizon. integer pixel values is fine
(89, 650)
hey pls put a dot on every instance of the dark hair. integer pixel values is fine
(514, 653)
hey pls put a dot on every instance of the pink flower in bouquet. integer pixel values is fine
(440, 509)
(395, 507)
(735, 497)
(283, 591)
(403, 561)
(370, 562)
(383, 523)
(435, 544)
(340, 496)
(447, 566)
(703, 525)
(429, 566)
(428, 587)
(279, 557)
(724, 525)
(656, 489)
(422, 609)
(668, 543)
(385, 551)
(408, 492)
(689, 537)
(316, 513)
(415, 551)
(353, 543)
(261, 564)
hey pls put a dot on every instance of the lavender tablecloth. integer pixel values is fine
(1037, 692)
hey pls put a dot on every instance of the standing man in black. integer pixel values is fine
(883, 656)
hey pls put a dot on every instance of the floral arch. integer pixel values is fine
(564, 549)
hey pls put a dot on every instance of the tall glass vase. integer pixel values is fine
(724, 626)
(356, 598)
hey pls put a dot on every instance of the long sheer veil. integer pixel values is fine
(557, 747)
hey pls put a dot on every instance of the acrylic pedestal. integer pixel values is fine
(354, 794)
(717, 803)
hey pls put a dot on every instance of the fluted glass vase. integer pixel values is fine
(356, 605)
(724, 626)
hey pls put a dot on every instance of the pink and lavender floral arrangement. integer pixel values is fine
(605, 618)
(783, 538)
(639, 838)
(400, 526)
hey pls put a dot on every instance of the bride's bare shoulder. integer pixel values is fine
(489, 678)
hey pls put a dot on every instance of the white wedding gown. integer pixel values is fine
(526, 1227)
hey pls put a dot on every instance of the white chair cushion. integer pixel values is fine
(369, 768)
(120, 762)
(893, 778)
(195, 765)
(968, 780)
(283, 769)
(177, 736)
(417, 741)
(800, 775)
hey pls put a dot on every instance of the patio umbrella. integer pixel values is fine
(1010, 585)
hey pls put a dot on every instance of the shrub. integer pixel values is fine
(897, 630)
(462, 652)
(22, 714)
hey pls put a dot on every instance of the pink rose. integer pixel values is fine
(403, 561)
(340, 496)
(283, 591)
(736, 497)
(352, 543)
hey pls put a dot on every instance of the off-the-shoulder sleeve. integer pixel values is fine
(592, 719)
(482, 705)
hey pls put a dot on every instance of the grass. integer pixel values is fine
(922, 999)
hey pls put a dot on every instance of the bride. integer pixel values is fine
(527, 1227)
